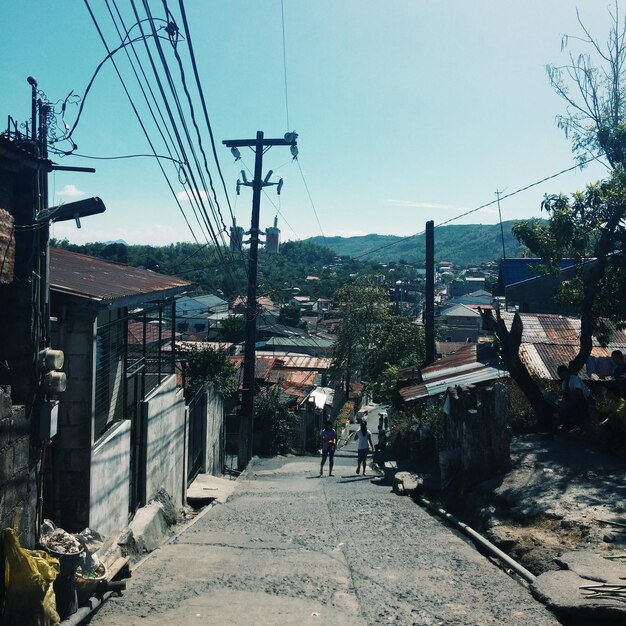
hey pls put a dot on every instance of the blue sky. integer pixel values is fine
(407, 110)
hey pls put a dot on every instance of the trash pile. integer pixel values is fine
(56, 540)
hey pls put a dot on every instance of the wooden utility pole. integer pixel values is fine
(429, 305)
(246, 422)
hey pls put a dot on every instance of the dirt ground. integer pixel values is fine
(558, 496)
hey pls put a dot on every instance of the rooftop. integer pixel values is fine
(102, 281)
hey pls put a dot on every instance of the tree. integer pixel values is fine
(272, 415)
(233, 328)
(206, 365)
(596, 109)
(397, 343)
(590, 225)
(362, 307)
(291, 316)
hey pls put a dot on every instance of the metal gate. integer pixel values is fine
(196, 442)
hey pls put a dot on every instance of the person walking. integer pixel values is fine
(329, 443)
(364, 437)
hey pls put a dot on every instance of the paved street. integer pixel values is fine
(292, 548)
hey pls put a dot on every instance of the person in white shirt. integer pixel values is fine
(364, 437)
(574, 405)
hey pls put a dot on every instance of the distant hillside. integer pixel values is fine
(467, 244)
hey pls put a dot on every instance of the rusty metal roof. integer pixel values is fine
(472, 364)
(303, 362)
(94, 279)
(550, 340)
(295, 377)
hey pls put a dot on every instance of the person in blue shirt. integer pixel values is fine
(329, 443)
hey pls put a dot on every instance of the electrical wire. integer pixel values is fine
(311, 201)
(164, 129)
(282, 15)
(278, 210)
(139, 119)
(195, 187)
(127, 156)
(482, 206)
(202, 99)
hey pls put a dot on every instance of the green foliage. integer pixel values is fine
(589, 224)
(362, 307)
(396, 343)
(466, 244)
(290, 316)
(346, 413)
(272, 415)
(205, 365)
(234, 328)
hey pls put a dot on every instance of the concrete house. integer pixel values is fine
(460, 323)
(121, 431)
(200, 314)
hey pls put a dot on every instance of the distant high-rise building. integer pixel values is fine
(272, 238)
(236, 236)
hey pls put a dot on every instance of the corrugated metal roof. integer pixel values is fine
(296, 377)
(551, 340)
(94, 279)
(472, 364)
(303, 362)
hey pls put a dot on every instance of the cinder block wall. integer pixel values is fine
(71, 448)
(18, 472)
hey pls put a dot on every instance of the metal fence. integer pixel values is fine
(134, 356)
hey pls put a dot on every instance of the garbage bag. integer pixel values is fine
(28, 575)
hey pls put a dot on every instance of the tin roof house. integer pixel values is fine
(121, 420)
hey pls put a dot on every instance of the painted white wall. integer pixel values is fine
(109, 491)
(165, 450)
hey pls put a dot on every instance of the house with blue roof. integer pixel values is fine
(527, 290)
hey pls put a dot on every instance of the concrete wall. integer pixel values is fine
(71, 448)
(109, 492)
(165, 449)
(18, 473)
(214, 462)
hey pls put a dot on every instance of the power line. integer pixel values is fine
(202, 100)
(311, 201)
(482, 206)
(100, 33)
(282, 15)
(182, 177)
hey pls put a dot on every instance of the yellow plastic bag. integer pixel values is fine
(28, 575)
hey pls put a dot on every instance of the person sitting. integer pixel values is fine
(576, 397)
(619, 371)
(615, 423)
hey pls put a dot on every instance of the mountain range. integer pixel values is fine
(463, 244)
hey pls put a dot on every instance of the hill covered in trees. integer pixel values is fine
(466, 244)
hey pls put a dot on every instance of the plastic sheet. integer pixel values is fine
(29, 597)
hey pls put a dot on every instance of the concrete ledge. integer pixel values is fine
(149, 527)
(206, 488)
(560, 591)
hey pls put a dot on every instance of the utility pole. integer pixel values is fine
(246, 423)
(429, 304)
(501, 227)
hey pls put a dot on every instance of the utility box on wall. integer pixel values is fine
(49, 419)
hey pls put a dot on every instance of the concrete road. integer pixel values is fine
(290, 547)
